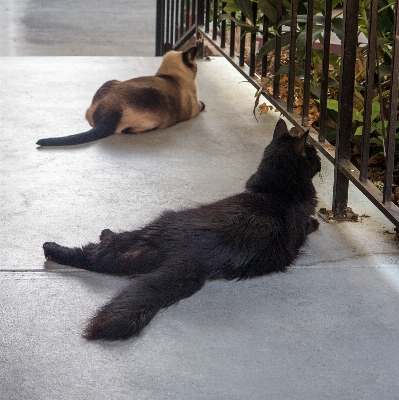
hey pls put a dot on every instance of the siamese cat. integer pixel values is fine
(250, 234)
(142, 104)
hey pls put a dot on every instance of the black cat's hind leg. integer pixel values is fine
(66, 256)
(128, 313)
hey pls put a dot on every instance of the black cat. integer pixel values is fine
(253, 233)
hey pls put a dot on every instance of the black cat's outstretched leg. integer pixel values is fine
(129, 312)
(110, 256)
(66, 256)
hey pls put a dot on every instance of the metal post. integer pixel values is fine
(199, 22)
(160, 28)
(393, 103)
(277, 50)
(291, 71)
(345, 106)
(325, 70)
(308, 61)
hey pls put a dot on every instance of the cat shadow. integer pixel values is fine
(94, 282)
(127, 142)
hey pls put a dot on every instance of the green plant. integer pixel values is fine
(385, 27)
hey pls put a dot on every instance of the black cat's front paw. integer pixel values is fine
(312, 226)
(50, 250)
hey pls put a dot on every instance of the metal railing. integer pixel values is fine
(180, 20)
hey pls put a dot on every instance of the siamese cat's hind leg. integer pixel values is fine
(132, 310)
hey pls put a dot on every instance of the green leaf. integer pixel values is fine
(244, 25)
(284, 69)
(315, 90)
(317, 19)
(271, 44)
(359, 131)
(376, 141)
(336, 3)
(357, 115)
(332, 105)
(332, 81)
(375, 109)
(230, 7)
(268, 9)
(316, 32)
(246, 7)
(336, 27)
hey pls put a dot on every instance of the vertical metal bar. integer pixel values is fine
(177, 19)
(368, 99)
(264, 40)
(291, 71)
(223, 29)
(167, 22)
(242, 42)
(207, 12)
(172, 40)
(232, 35)
(393, 104)
(277, 50)
(187, 15)
(160, 27)
(325, 69)
(308, 61)
(215, 18)
(200, 12)
(253, 41)
(193, 12)
(199, 39)
(182, 8)
(345, 105)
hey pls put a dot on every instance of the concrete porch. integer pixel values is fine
(327, 329)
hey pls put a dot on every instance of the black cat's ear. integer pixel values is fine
(280, 130)
(301, 143)
(167, 47)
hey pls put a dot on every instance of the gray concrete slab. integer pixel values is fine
(77, 28)
(326, 329)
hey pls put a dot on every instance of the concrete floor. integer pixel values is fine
(327, 329)
(77, 28)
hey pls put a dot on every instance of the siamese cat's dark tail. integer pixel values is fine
(96, 133)
(105, 123)
(133, 309)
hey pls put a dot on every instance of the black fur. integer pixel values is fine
(256, 232)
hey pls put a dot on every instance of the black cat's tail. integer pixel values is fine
(96, 133)
(128, 313)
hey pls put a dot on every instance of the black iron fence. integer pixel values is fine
(286, 51)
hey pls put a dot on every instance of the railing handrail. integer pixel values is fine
(345, 171)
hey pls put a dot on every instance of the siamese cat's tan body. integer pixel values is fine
(142, 104)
